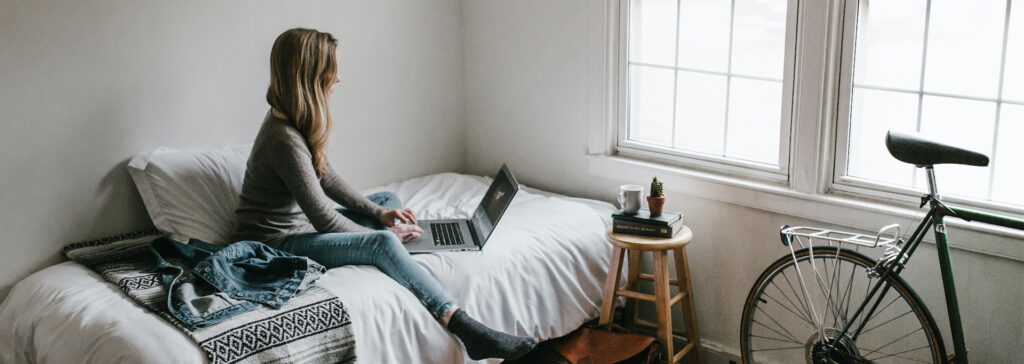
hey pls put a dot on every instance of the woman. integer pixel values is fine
(289, 192)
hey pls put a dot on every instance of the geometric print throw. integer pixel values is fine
(312, 327)
(243, 341)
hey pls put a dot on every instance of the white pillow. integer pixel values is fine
(192, 193)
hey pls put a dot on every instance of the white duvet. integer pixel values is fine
(540, 274)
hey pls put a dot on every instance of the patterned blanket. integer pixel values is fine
(312, 327)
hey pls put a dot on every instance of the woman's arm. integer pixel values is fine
(294, 166)
(343, 193)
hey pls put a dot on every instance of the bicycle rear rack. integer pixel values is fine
(886, 236)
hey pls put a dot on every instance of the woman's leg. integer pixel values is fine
(381, 249)
(385, 199)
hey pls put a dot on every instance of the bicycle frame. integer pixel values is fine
(934, 220)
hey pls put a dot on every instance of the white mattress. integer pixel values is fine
(541, 274)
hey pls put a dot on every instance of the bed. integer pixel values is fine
(540, 274)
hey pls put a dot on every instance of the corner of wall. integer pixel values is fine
(463, 112)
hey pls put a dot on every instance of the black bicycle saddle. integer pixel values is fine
(922, 152)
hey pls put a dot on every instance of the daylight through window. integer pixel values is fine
(950, 69)
(705, 79)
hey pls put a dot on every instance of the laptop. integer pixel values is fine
(468, 234)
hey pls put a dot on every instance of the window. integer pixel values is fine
(738, 88)
(949, 69)
(708, 82)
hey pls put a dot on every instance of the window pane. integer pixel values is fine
(759, 38)
(873, 113)
(754, 114)
(681, 99)
(966, 124)
(650, 107)
(965, 41)
(652, 31)
(1013, 78)
(704, 35)
(890, 39)
(700, 112)
(1009, 176)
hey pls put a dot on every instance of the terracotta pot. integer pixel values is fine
(656, 205)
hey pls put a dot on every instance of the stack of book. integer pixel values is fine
(641, 223)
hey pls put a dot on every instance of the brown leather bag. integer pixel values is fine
(598, 345)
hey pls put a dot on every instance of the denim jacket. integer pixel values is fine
(207, 284)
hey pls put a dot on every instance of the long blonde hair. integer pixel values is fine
(303, 66)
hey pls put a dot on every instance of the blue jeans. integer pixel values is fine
(381, 249)
(207, 283)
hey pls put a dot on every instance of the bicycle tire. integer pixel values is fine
(849, 346)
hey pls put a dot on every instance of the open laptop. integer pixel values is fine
(471, 234)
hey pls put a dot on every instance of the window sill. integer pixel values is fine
(829, 208)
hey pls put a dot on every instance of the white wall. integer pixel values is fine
(86, 85)
(529, 101)
(83, 87)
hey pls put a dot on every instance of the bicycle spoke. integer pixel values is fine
(776, 339)
(900, 356)
(841, 296)
(828, 299)
(829, 305)
(787, 309)
(791, 336)
(835, 276)
(849, 292)
(786, 296)
(773, 330)
(890, 320)
(893, 341)
(878, 313)
(799, 298)
(773, 349)
(875, 314)
(807, 295)
(829, 286)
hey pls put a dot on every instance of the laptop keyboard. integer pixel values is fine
(446, 233)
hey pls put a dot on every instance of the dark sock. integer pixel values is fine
(483, 342)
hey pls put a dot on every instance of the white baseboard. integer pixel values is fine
(715, 353)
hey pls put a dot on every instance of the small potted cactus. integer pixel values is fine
(656, 200)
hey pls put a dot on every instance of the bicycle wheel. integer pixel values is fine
(782, 324)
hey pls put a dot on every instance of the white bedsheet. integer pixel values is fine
(541, 274)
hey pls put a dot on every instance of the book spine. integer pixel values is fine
(648, 221)
(630, 227)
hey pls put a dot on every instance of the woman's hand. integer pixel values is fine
(405, 216)
(406, 232)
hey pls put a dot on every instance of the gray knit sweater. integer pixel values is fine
(281, 195)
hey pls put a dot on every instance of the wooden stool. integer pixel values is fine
(636, 245)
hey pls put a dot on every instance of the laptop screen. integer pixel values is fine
(499, 195)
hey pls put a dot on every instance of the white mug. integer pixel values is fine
(630, 197)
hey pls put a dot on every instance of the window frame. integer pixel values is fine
(820, 57)
(697, 160)
(808, 193)
(853, 186)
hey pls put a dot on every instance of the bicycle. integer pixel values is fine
(808, 318)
